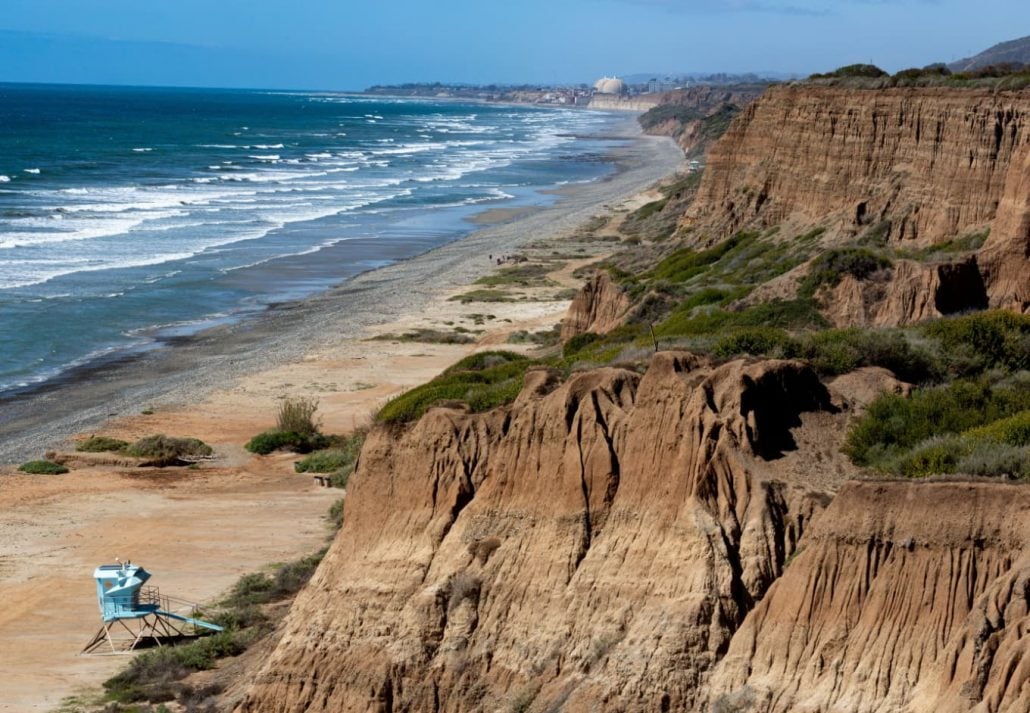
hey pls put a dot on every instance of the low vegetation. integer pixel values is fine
(430, 336)
(42, 467)
(338, 461)
(1005, 75)
(297, 429)
(101, 444)
(485, 295)
(163, 450)
(542, 338)
(976, 426)
(297, 415)
(482, 381)
(831, 266)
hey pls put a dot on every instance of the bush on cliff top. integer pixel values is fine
(870, 71)
(482, 381)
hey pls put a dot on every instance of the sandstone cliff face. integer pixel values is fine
(700, 102)
(895, 603)
(598, 307)
(591, 548)
(907, 293)
(1006, 256)
(935, 163)
(925, 165)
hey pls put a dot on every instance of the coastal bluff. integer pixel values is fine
(626, 542)
(916, 166)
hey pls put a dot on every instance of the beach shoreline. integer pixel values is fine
(184, 369)
(200, 529)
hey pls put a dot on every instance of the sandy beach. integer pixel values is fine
(198, 530)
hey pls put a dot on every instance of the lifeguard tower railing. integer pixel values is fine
(188, 610)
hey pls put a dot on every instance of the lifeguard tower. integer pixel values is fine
(142, 612)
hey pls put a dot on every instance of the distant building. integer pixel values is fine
(654, 86)
(609, 85)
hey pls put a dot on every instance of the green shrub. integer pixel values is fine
(710, 296)
(684, 264)
(100, 444)
(893, 424)
(578, 343)
(543, 338)
(239, 618)
(991, 339)
(992, 459)
(42, 467)
(940, 454)
(870, 71)
(339, 460)
(648, 209)
(1012, 431)
(832, 265)
(756, 341)
(839, 351)
(779, 314)
(335, 515)
(483, 381)
(915, 73)
(325, 461)
(261, 588)
(297, 415)
(149, 674)
(274, 440)
(165, 450)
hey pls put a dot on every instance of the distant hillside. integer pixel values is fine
(1013, 51)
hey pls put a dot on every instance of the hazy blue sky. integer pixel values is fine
(345, 44)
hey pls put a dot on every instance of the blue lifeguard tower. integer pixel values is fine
(143, 612)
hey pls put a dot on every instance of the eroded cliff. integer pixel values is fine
(592, 547)
(904, 597)
(910, 166)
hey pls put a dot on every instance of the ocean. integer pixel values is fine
(132, 215)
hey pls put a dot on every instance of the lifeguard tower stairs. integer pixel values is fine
(133, 613)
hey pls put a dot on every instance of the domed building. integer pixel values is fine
(609, 85)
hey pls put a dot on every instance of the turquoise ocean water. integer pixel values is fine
(128, 215)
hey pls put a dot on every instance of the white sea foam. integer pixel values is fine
(143, 150)
(33, 171)
(265, 157)
(4, 179)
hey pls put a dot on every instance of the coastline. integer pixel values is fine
(185, 369)
(199, 530)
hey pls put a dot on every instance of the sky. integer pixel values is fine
(347, 44)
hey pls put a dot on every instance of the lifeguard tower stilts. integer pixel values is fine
(142, 612)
